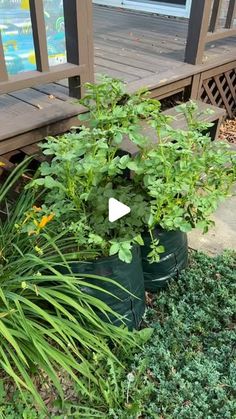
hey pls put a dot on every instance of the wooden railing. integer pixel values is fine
(79, 49)
(204, 26)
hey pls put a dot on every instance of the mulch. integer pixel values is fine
(228, 131)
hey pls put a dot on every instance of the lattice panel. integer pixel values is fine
(220, 91)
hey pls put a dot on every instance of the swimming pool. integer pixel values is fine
(16, 31)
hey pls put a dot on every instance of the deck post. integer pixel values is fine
(79, 42)
(215, 15)
(39, 35)
(197, 31)
(231, 14)
(195, 87)
(3, 68)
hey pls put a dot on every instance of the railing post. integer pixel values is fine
(230, 14)
(78, 16)
(215, 15)
(39, 35)
(197, 31)
(3, 68)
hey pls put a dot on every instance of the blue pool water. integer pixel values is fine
(16, 31)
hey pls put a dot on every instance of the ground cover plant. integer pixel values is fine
(187, 367)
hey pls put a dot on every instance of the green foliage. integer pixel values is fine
(87, 169)
(17, 406)
(191, 355)
(185, 175)
(47, 324)
(176, 182)
(185, 367)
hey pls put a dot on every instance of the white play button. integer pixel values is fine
(117, 210)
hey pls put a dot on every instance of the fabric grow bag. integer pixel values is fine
(172, 261)
(128, 275)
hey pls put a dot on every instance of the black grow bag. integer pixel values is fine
(128, 275)
(172, 261)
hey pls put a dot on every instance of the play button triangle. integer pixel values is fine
(117, 210)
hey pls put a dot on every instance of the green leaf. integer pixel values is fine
(118, 137)
(124, 161)
(133, 166)
(114, 249)
(143, 336)
(185, 227)
(125, 253)
(138, 239)
(84, 116)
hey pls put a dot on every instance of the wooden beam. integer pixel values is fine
(197, 31)
(33, 78)
(220, 34)
(39, 35)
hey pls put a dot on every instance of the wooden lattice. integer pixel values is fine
(220, 90)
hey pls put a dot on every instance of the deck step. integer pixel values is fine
(179, 122)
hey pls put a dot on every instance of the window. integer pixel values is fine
(179, 8)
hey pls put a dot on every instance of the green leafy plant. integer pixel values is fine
(175, 181)
(17, 407)
(87, 168)
(184, 175)
(48, 326)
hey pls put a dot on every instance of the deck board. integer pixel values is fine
(35, 98)
(142, 49)
(54, 89)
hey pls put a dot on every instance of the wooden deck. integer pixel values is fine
(133, 46)
(143, 50)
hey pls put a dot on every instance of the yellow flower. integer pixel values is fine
(39, 250)
(2, 164)
(37, 209)
(45, 220)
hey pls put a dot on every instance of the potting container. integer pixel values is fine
(172, 261)
(129, 301)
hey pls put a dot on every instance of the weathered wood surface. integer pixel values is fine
(141, 49)
(127, 41)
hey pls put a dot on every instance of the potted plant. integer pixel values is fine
(184, 176)
(87, 168)
(172, 184)
(75, 186)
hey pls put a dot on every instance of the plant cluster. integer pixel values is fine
(50, 328)
(175, 182)
(48, 325)
(191, 355)
(184, 369)
(187, 367)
